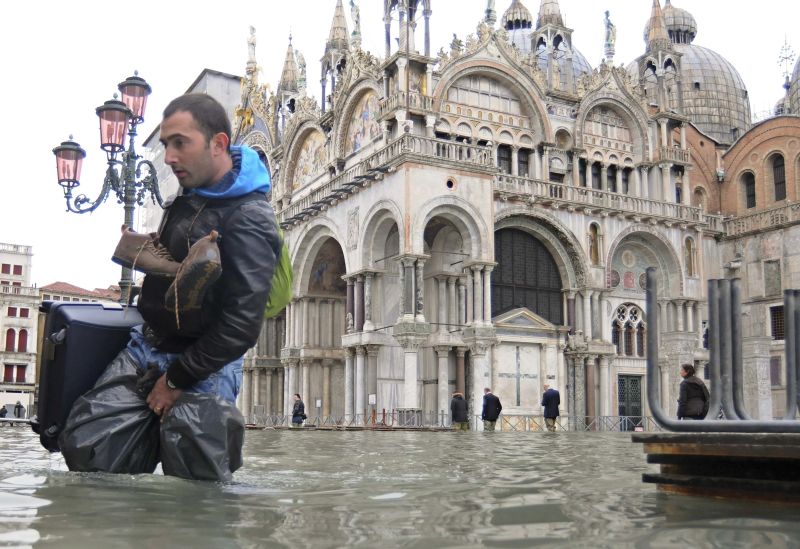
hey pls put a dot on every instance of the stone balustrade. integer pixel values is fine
(759, 221)
(674, 154)
(402, 100)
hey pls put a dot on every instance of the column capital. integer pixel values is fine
(373, 350)
(360, 350)
(306, 361)
(443, 351)
(461, 351)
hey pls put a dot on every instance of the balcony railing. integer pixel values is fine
(381, 161)
(402, 99)
(19, 290)
(674, 154)
(766, 219)
(568, 196)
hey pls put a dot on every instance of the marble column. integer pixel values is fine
(305, 325)
(637, 183)
(514, 160)
(368, 325)
(480, 379)
(605, 388)
(443, 383)
(680, 312)
(348, 384)
(256, 386)
(576, 170)
(589, 182)
(468, 291)
(401, 310)
(372, 372)
(591, 387)
(288, 327)
(461, 370)
(487, 294)
(350, 313)
(269, 402)
(587, 314)
(420, 291)
(359, 304)
(571, 320)
(477, 294)
(619, 179)
(282, 391)
(663, 126)
(247, 396)
(666, 183)
(326, 387)
(306, 392)
(410, 395)
(361, 385)
(596, 332)
(452, 316)
(441, 283)
(645, 182)
(604, 176)
(546, 163)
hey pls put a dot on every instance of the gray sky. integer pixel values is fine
(60, 62)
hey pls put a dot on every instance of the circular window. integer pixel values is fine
(451, 184)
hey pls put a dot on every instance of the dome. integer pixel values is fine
(793, 97)
(714, 95)
(517, 16)
(681, 25)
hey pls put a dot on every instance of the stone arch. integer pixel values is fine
(775, 162)
(307, 245)
(648, 241)
(378, 222)
(559, 241)
(262, 144)
(294, 150)
(633, 116)
(522, 85)
(463, 215)
(357, 92)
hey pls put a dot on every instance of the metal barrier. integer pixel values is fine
(725, 346)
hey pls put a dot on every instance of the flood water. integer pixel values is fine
(380, 489)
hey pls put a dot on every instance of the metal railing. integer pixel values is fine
(432, 420)
(727, 379)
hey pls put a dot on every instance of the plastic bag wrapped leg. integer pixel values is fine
(202, 438)
(110, 428)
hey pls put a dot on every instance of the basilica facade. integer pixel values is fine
(483, 215)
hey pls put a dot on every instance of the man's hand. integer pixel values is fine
(161, 399)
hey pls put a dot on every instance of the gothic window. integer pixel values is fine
(749, 184)
(526, 276)
(11, 337)
(629, 331)
(779, 177)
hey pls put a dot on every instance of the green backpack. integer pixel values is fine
(281, 292)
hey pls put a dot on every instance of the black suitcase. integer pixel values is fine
(79, 341)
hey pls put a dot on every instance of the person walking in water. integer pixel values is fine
(458, 412)
(550, 401)
(491, 409)
(693, 395)
(298, 411)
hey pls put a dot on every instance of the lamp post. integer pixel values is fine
(124, 174)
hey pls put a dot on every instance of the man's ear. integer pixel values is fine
(220, 142)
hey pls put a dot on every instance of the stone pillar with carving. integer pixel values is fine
(571, 320)
(596, 330)
(576, 169)
(645, 182)
(546, 163)
(605, 387)
(587, 314)
(468, 307)
(350, 314)
(452, 313)
(477, 291)
(443, 381)
(368, 325)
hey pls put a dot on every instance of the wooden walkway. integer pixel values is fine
(758, 466)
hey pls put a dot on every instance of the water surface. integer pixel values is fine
(381, 489)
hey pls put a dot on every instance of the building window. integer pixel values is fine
(522, 162)
(775, 371)
(22, 347)
(749, 183)
(12, 311)
(8, 373)
(776, 321)
(46, 297)
(779, 177)
(628, 331)
(18, 270)
(11, 337)
(23, 312)
(5, 268)
(20, 373)
(504, 158)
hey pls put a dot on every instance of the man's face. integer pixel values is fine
(193, 159)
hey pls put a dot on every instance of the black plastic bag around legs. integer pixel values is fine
(110, 428)
(202, 438)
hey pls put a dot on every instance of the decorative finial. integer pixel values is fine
(611, 39)
(786, 58)
(135, 72)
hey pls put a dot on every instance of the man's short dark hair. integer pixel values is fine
(688, 368)
(210, 116)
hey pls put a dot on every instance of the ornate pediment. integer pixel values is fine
(607, 78)
(522, 319)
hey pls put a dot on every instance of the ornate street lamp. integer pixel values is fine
(124, 172)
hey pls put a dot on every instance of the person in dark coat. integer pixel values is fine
(458, 412)
(550, 400)
(693, 395)
(491, 409)
(19, 410)
(298, 411)
(3, 411)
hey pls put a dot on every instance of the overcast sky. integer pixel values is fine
(63, 59)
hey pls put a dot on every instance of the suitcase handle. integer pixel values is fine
(56, 338)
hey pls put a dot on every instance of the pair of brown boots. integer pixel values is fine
(192, 277)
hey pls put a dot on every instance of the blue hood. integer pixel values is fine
(247, 175)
